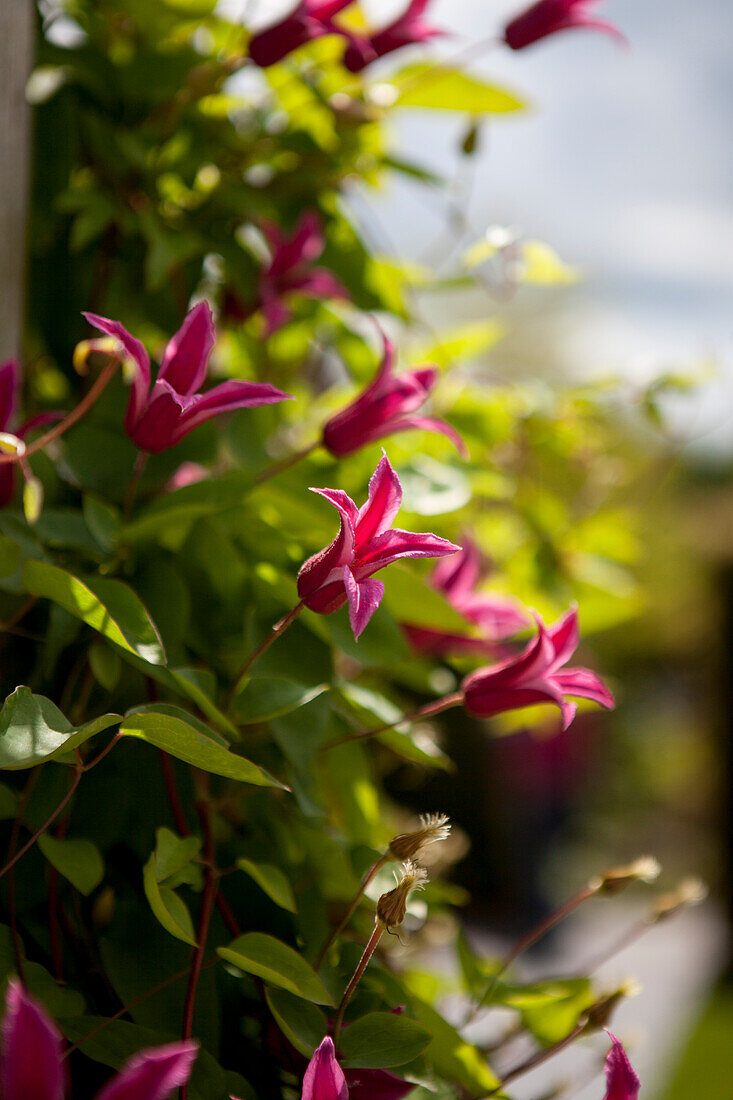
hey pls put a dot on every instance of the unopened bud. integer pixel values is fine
(645, 869)
(391, 907)
(11, 444)
(691, 891)
(433, 827)
(598, 1016)
(102, 345)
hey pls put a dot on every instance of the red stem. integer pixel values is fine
(352, 908)
(278, 629)
(171, 789)
(427, 711)
(349, 992)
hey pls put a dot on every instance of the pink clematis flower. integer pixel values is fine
(159, 417)
(550, 16)
(537, 676)
(291, 269)
(344, 570)
(387, 405)
(622, 1082)
(324, 1079)
(309, 20)
(497, 617)
(405, 30)
(9, 390)
(31, 1062)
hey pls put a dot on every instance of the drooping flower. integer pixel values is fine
(32, 1068)
(537, 675)
(407, 29)
(622, 1082)
(497, 617)
(9, 391)
(550, 16)
(290, 269)
(309, 20)
(159, 417)
(324, 1079)
(365, 543)
(387, 405)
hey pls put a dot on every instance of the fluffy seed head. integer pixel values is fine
(691, 891)
(392, 906)
(645, 869)
(433, 827)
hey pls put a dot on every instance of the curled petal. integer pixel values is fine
(226, 397)
(345, 505)
(324, 1078)
(431, 424)
(32, 1067)
(318, 283)
(133, 349)
(152, 1074)
(458, 575)
(565, 636)
(485, 701)
(499, 617)
(622, 1082)
(303, 247)
(187, 353)
(364, 598)
(585, 684)
(383, 503)
(393, 545)
(274, 43)
(155, 429)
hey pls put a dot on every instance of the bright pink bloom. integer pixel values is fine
(536, 676)
(9, 391)
(291, 270)
(365, 543)
(386, 406)
(621, 1080)
(159, 417)
(309, 20)
(549, 17)
(406, 30)
(324, 1078)
(31, 1059)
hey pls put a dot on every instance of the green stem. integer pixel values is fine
(278, 629)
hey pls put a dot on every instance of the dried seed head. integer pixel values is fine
(433, 827)
(391, 907)
(691, 891)
(599, 1014)
(645, 869)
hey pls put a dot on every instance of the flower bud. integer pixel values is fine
(433, 827)
(691, 891)
(391, 907)
(645, 869)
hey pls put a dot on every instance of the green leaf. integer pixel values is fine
(8, 803)
(173, 853)
(277, 963)
(183, 741)
(108, 606)
(272, 880)
(268, 697)
(300, 1021)
(451, 1056)
(33, 729)
(79, 861)
(10, 554)
(167, 906)
(441, 88)
(382, 1039)
(410, 599)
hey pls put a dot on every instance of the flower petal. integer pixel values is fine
(226, 397)
(383, 503)
(622, 1082)
(155, 429)
(585, 684)
(152, 1074)
(303, 246)
(32, 1066)
(134, 349)
(324, 1078)
(565, 636)
(187, 354)
(364, 598)
(9, 386)
(431, 424)
(344, 503)
(484, 701)
(320, 580)
(393, 545)
(458, 575)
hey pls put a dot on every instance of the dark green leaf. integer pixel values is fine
(267, 697)
(78, 861)
(278, 964)
(300, 1021)
(272, 880)
(383, 1039)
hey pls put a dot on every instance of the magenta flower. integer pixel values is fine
(386, 406)
(497, 617)
(406, 30)
(549, 17)
(537, 676)
(622, 1082)
(324, 1079)
(310, 19)
(344, 570)
(159, 417)
(9, 390)
(31, 1061)
(291, 270)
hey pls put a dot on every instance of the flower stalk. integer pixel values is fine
(278, 629)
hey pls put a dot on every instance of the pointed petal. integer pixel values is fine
(383, 503)
(364, 598)
(275, 313)
(9, 386)
(498, 617)
(152, 1074)
(622, 1082)
(303, 246)
(530, 664)
(32, 1067)
(430, 424)
(133, 349)
(320, 579)
(565, 636)
(458, 575)
(396, 544)
(275, 42)
(187, 354)
(585, 684)
(226, 397)
(343, 502)
(483, 700)
(319, 283)
(324, 1078)
(155, 429)
(589, 22)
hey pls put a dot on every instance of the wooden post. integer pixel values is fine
(16, 55)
